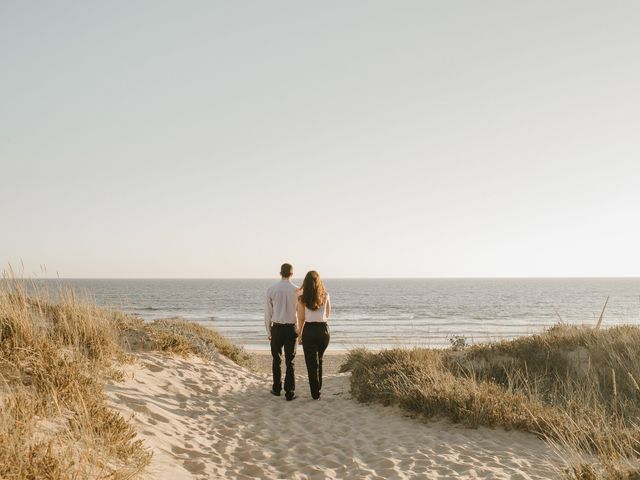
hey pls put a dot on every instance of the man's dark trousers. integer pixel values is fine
(283, 335)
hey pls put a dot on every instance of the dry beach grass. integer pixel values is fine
(55, 422)
(576, 387)
(55, 358)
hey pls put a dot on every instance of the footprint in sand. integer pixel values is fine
(153, 367)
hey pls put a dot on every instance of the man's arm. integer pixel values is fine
(268, 315)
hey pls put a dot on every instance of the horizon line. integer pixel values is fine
(519, 277)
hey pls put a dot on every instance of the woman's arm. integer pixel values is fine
(328, 307)
(301, 320)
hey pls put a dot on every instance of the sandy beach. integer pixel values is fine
(330, 365)
(214, 419)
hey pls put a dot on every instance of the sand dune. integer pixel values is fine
(217, 420)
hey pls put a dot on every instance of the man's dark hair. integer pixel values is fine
(286, 270)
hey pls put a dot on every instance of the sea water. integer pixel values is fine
(378, 313)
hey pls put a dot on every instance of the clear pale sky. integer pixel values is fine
(359, 138)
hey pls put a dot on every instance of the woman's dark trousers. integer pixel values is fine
(315, 339)
(283, 335)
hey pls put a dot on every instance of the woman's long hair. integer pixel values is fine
(313, 292)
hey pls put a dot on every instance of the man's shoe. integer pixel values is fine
(273, 392)
(290, 396)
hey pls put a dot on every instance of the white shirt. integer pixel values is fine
(280, 305)
(319, 315)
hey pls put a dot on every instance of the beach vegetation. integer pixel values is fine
(55, 421)
(180, 337)
(57, 354)
(577, 387)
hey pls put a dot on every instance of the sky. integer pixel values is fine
(209, 139)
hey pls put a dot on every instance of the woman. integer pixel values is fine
(314, 308)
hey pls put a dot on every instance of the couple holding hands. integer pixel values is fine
(295, 315)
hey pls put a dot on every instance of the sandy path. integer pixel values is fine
(216, 420)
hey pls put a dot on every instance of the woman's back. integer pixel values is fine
(319, 315)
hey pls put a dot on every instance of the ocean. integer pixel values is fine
(380, 313)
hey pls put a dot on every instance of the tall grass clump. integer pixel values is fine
(56, 354)
(55, 422)
(181, 337)
(576, 387)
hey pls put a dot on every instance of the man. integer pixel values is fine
(281, 322)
